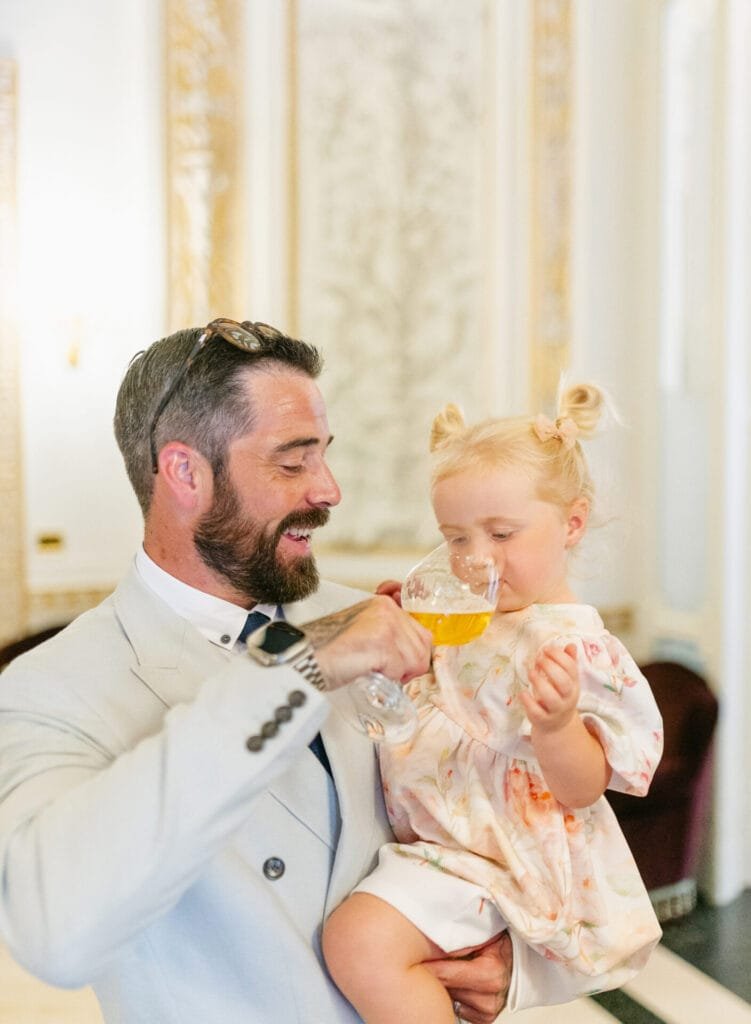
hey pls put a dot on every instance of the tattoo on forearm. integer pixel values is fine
(321, 631)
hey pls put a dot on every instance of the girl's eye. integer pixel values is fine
(457, 541)
(501, 536)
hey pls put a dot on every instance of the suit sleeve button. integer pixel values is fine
(273, 868)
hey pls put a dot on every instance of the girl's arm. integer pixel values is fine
(571, 758)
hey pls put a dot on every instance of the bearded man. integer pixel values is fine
(180, 808)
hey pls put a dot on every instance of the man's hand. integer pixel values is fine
(375, 635)
(478, 981)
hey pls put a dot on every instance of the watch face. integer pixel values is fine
(280, 636)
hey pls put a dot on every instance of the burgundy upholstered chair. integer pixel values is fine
(666, 828)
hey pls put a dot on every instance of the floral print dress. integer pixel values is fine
(482, 843)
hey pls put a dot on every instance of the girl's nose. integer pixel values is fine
(487, 566)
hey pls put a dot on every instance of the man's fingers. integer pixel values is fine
(374, 634)
(407, 653)
(480, 982)
(471, 1011)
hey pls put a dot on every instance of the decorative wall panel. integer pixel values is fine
(12, 588)
(55, 607)
(204, 165)
(550, 215)
(390, 213)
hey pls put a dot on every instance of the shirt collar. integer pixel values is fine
(218, 620)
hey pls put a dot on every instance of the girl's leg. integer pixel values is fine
(375, 956)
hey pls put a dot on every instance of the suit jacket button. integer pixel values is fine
(274, 868)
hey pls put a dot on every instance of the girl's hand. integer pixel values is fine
(392, 589)
(572, 761)
(551, 704)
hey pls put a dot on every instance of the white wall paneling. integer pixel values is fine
(395, 205)
(92, 268)
(12, 574)
(385, 209)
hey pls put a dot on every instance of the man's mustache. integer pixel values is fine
(312, 518)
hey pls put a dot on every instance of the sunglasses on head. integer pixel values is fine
(250, 337)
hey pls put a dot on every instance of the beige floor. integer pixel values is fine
(24, 1000)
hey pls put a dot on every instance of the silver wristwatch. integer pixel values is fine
(280, 643)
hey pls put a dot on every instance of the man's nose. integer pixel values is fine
(325, 491)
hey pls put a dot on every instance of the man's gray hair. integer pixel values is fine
(210, 407)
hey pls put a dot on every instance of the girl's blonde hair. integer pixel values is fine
(548, 451)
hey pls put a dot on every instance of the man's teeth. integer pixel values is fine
(299, 534)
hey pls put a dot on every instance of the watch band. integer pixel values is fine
(307, 665)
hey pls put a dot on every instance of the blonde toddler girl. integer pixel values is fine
(497, 803)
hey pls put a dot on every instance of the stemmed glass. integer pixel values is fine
(451, 594)
(383, 710)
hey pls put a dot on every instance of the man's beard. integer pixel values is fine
(236, 547)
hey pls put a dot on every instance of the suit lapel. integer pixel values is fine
(355, 771)
(352, 757)
(172, 655)
(173, 659)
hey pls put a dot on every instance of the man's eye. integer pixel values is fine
(296, 468)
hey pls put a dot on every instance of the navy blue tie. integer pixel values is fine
(253, 622)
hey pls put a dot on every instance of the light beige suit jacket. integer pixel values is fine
(141, 843)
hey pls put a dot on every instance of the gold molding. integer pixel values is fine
(12, 568)
(56, 607)
(205, 236)
(293, 194)
(552, 160)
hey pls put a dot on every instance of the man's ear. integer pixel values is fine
(187, 475)
(576, 522)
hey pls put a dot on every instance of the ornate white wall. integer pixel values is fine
(391, 210)
(90, 273)
(12, 569)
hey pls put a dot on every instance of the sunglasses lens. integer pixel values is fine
(263, 330)
(238, 336)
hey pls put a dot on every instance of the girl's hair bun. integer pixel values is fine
(448, 423)
(584, 404)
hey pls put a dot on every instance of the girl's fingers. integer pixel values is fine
(542, 690)
(537, 712)
(559, 668)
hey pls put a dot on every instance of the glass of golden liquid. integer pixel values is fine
(452, 594)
